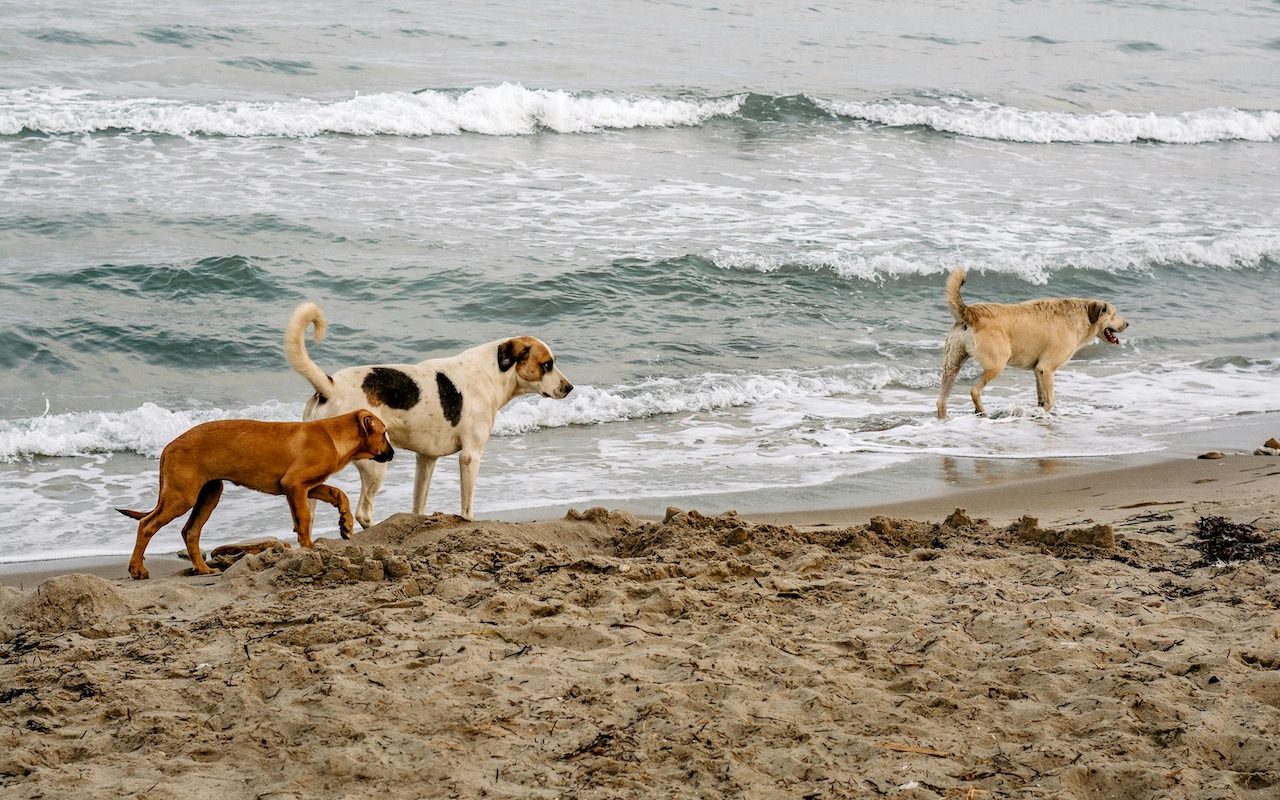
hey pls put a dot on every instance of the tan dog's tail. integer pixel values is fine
(954, 281)
(295, 346)
(134, 514)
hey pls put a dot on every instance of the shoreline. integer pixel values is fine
(1081, 496)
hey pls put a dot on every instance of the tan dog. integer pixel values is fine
(1039, 335)
(289, 458)
(435, 407)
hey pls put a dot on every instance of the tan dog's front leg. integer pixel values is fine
(338, 499)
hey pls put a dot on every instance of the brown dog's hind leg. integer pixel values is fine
(338, 499)
(206, 501)
(169, 508)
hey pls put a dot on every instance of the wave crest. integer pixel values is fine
(985, 120)
(504, 110)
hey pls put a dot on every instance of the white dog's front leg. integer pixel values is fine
(468, 469)
(422, 482)
(372, 474)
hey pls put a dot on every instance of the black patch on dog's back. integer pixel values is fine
(450, 398)
(389, 387)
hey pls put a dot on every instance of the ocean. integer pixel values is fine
(731, 222)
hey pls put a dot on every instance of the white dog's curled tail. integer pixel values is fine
(295, 346)
(954, 281)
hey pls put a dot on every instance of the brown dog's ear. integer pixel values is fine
(1096, 309)
(365, 420)
(509, 356)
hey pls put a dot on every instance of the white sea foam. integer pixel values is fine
(987, 120)
(144, 430)
(1187, 391)
(503, 110)
(147, 429)
(1246, 250)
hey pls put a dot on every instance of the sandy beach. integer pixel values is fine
(1102, 649)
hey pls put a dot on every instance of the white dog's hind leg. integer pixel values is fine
(422, 482)
(372, 474)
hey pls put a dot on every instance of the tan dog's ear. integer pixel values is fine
(509, 356)
(1096, 309)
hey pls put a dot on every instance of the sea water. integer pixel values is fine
(731, 222)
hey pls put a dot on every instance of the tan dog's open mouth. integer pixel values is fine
(1110, 335)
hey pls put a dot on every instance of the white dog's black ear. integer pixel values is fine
(1096, 309)
(509, 356)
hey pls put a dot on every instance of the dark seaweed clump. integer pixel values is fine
(1223, 541)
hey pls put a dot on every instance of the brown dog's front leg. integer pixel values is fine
(338, 499)
(301, 511)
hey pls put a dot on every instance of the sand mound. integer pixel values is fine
(600, 656)
(82, 603)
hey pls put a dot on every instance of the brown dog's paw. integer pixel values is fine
(345, 525)
(138, 573)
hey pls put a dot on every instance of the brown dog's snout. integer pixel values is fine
(387, 454)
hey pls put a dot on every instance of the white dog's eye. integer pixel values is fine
(547, 365)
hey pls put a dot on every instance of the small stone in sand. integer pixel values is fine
(1211, 454)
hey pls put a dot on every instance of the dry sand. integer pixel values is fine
(1092, 654)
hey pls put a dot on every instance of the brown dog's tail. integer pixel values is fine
(958, 309)
(134, 514)
(295, 346)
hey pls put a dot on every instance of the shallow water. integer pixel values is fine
(732, 225)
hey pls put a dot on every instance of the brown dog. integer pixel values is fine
(289, 458)
(1039, 335)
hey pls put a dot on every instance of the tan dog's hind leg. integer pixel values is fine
(422, 482)
(206, 501)
(1044, 387)
(372, 474)
(338, 499)
(954, 355)
(988, 375)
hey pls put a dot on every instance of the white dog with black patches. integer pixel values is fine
(435, 408)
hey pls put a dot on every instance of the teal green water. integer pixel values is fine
(732, 228)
